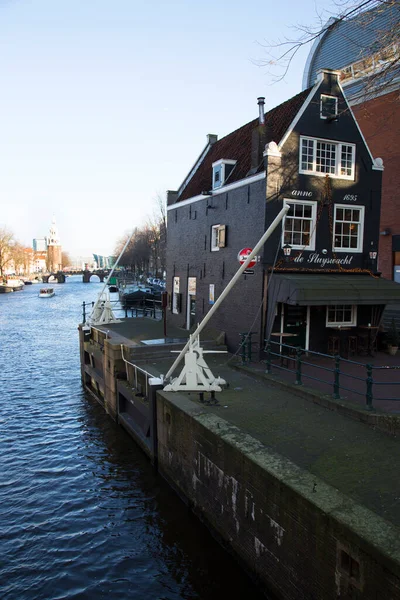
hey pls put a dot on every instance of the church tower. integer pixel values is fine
(54, 262)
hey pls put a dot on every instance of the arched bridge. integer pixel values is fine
(100, 274)
(59, 277)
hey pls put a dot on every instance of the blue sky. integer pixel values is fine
(106, 104)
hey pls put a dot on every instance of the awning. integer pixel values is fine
(314, 290)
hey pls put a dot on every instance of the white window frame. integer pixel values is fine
(320, 105)
(222, 162)
(360, 241)
(352, 323)
(215, 241)
(338, 158)
(311, 245)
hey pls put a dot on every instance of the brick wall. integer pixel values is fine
(379, 120)
(301, 542)
(189, 255)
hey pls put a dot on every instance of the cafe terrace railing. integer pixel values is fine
(364, 385)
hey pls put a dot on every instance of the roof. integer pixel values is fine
(238, 146)
(314, 290)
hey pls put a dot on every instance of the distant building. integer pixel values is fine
(40, 261)
(103, 262)
(366, 51)
(39, 245)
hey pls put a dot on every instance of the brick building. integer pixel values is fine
(308, 152)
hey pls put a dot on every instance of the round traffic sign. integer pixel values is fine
(242, 257)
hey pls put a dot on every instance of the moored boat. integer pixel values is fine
(46, 293)
(11, 285)
(137, 295)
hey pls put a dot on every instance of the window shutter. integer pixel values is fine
(222, 236)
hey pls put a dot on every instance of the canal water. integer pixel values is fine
(82, 513)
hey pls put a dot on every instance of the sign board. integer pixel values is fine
(192, 286)
(242, 257)
(211, 294)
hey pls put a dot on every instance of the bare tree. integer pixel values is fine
(7, 241)
(157, 227)
(65, 259)
(146, 250)
(18, 256)
(381, 61)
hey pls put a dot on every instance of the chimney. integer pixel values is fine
(258, 139)
(261, 103)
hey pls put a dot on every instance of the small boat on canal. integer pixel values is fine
(46, 293)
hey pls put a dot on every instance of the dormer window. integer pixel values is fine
(221, 171)
(328, 107)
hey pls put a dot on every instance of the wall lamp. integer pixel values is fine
(287, 250)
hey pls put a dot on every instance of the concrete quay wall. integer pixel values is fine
(300, 537)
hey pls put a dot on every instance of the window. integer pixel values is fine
(221, 171)
(217, 177)
(377, 62)
(298, 227)
(328, 107)
(322, 157)
(218, 237)
(341, 314)
(348, 228)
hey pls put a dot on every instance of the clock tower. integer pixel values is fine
(54, 262)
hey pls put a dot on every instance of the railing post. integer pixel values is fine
(83, 312)
(336, 384)
(298, 366)
(249, 343)
(268, 359)
(370, 382)
(243, 347)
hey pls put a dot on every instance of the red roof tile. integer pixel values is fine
(238, 144)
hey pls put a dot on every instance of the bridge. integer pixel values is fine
(87, 275)
(59, 277)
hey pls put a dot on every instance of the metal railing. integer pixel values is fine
(136, 369)
(145, 308)
(366, 385)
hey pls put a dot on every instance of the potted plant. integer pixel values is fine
(392, 338)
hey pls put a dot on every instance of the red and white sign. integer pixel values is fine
(242, 257)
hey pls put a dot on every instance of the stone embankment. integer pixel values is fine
(306, 497)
